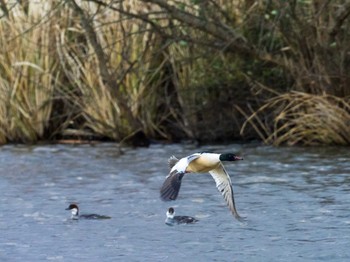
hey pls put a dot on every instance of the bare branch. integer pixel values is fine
(343, 13)
(225, 33)
(109, 79)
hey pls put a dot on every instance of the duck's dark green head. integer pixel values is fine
(230, 157)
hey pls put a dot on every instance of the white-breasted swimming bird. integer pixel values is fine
(171, 219)
(75, 213)
(200, 163)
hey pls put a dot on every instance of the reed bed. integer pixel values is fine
(301, 118)
(28, 76)
(131, 49)
(114, 69)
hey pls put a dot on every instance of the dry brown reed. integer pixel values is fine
(168, 77)
(131, 48)
(302, 118)
(309, 104)
(28, 75)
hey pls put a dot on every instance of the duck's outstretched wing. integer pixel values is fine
(171, 186)
(223, 184)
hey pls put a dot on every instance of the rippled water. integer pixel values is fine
(296, 202)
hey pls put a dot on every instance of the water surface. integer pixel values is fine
(296, 202)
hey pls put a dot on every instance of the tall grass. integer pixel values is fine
(133, 58)
(28, 76)
(172, 80)
(309, 102)
(301, 118)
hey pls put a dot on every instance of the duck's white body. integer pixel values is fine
(200, 163)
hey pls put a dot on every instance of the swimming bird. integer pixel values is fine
(171, 219)
(200, 163)
(75, 213)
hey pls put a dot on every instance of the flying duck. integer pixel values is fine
(75, 213)
(171, 219)
(200, 163)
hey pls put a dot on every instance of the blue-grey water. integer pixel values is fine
(296, 202)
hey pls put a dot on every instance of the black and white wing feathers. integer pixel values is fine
(171, 186)
(223, 184)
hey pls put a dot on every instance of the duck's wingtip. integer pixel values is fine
(167, 197)
(239, 218)
(167, 193)
(171, 186)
